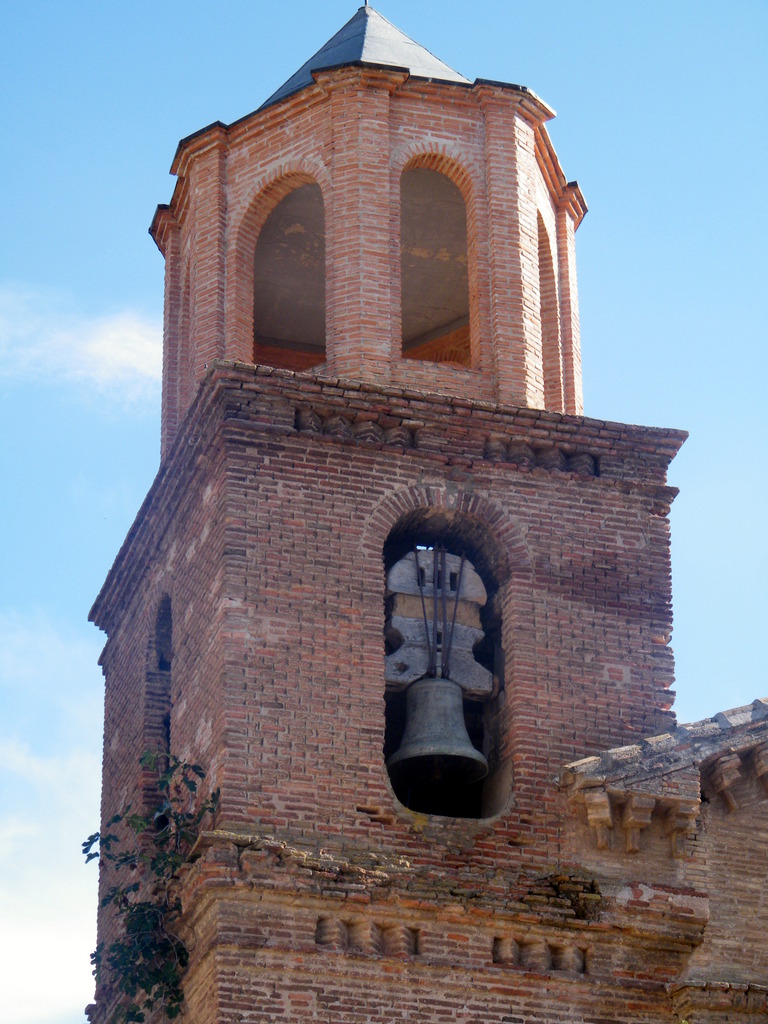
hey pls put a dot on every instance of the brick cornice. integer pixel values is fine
(361, 75)
(566, 194)
(559, 905)
(456, 411)
(367, 74)
(513, 97)
(215, 136)
(163, 224)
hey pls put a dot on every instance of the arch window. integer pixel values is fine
(433, 268)
(158, 716)
(157, 708)
(289, 283)
(551, 348)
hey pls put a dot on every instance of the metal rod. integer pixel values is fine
(433, 666)
(430, 669)
(448, 643)
(444, 603)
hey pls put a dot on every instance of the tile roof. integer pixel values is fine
(687, 745)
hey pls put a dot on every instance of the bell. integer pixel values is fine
(436, 747)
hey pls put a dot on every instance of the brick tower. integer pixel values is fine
(403, 601)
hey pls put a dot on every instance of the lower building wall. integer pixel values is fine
(300, 992)
(296, 956)
(339, 987)
(734, 873)
(265, 534)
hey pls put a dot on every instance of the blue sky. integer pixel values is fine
(662, 115)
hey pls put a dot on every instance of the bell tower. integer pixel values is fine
(389, 580)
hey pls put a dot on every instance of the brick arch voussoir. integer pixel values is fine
(268, 192)
(504, 537)
(450, 161)
(271, 189)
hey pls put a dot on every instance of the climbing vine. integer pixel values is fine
(143, 966)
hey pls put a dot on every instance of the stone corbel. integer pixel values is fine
(679, 821)
(636, 815)
(608, 806)
(723, 774)
(599, 815)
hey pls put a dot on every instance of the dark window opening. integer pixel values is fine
(434, 269)
(157, 710)
(289, 283)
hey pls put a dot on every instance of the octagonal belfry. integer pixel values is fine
(409, 227)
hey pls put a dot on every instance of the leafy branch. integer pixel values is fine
(144, 965)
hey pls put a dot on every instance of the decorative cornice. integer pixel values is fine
(163, 224)
(630, 812)
(572, 198)
(723, 774)
(516, 97)
(497, 448)
(566, 194)
(367, 905)
(215, 136)
(361, 75)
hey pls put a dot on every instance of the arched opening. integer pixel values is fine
(433, 268)
(289, 283)
(157, 698)
(551, 347)
(157, 734)
(444, 666)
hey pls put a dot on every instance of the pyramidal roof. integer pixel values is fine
(368, 38)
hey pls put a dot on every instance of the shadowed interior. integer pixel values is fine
(433, 263)
(289, 283)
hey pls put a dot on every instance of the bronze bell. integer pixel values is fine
(436, 747)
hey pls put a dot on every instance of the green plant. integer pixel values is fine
(145, 963)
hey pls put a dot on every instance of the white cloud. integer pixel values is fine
(47, 893)
(50, 749)
(120, 352)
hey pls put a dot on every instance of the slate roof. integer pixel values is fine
(368, 38)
